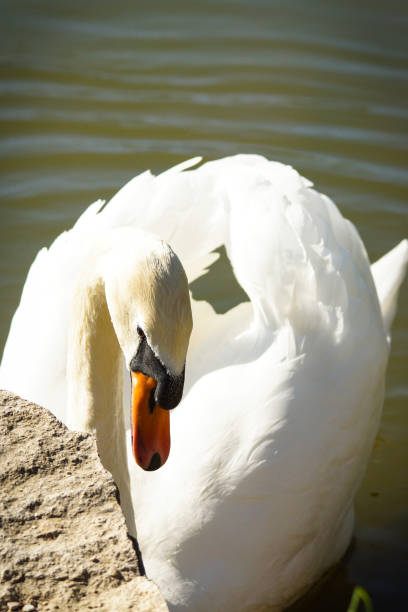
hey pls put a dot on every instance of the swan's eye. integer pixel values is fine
(141, 333)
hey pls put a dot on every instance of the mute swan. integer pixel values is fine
(283, 394)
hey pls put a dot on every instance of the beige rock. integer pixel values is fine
(63, 539)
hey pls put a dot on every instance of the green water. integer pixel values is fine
(94, 93)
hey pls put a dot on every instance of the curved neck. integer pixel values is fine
(95, 383)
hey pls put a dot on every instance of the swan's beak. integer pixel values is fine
(150, 424)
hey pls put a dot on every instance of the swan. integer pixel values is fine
(282, 393)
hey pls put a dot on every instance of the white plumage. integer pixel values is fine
(283, 393)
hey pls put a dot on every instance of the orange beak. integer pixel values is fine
(150, 424)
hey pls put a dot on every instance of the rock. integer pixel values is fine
(63, 539)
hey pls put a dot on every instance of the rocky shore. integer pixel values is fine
(63, 539)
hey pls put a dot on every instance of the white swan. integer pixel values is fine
(283, 394)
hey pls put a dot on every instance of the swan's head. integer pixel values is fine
(148, 299)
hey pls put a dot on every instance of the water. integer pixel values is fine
(94, 93)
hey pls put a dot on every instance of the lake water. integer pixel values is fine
(94, 93)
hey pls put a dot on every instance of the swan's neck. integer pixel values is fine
(95, 383)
